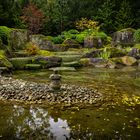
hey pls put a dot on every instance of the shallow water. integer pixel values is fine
(119, 118)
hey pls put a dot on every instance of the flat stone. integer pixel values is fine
(63, 69)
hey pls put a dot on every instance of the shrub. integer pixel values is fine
(105, 54)
(85, 23)
(57, 40)
(4, 34)
(80, 38)
(73, 31)
(49, 38)
(31, 48)
(137, 35)
(101, 35)
(68, 34)
(137, 46)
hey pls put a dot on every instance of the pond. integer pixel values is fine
(118, 118)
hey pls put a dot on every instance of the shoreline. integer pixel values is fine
(18, 90)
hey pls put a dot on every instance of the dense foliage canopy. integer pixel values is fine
(62, 15)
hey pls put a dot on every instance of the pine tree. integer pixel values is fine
(124, 18)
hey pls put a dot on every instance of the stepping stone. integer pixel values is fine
(32, 66)
(63, 69)
(71, 64)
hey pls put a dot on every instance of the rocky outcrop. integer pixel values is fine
(123, 37)
(42, 42)
(93, 42)
(18, 39)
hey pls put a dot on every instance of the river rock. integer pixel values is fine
(128, 61)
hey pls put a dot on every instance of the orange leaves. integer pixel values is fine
(33, 17)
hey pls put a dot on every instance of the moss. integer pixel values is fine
(45, 53)
(32, 66)
(85, 61)
(71, 64)
(116, 52)
(136, 46)
(4, 34)
(4, 62)
(137, 35)
(20, 62)
(57, 40)
(127, 30)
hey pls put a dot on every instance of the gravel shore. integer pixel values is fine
(31, 92)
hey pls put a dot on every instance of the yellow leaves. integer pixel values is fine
(84, 23)
(131, 100)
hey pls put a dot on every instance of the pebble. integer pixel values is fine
(17, 89)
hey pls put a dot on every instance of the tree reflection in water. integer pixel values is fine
(33, 123)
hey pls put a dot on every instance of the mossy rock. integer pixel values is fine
(48, 62)
(116, 52)
(18, 39)
(125, 61)
(85, 61)
(4, 34)
(129, 61)
(71, 43)
(20, 54)
(32, 66)
(20, 62)
(124, 37)
(4, 62)
(70, 58)
(60, 47)
(71, 64)
(42, 42)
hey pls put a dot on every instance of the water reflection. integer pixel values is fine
(31, 123)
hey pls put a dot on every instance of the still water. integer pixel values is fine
(116, 119)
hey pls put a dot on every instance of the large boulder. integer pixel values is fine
(42, 42)
(48, 62)
(19, 63)
(123, 37)
(93, 41)
(18, 39)
(71, 43)
(128, 61)
(93, 53)
(60, 47)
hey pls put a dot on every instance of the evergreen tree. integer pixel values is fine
(124, 18)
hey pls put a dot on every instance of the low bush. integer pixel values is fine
(57, 40)
(137, 35)
(31, 48)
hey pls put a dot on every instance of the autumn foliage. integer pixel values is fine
(85, 23)
(33, 17)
